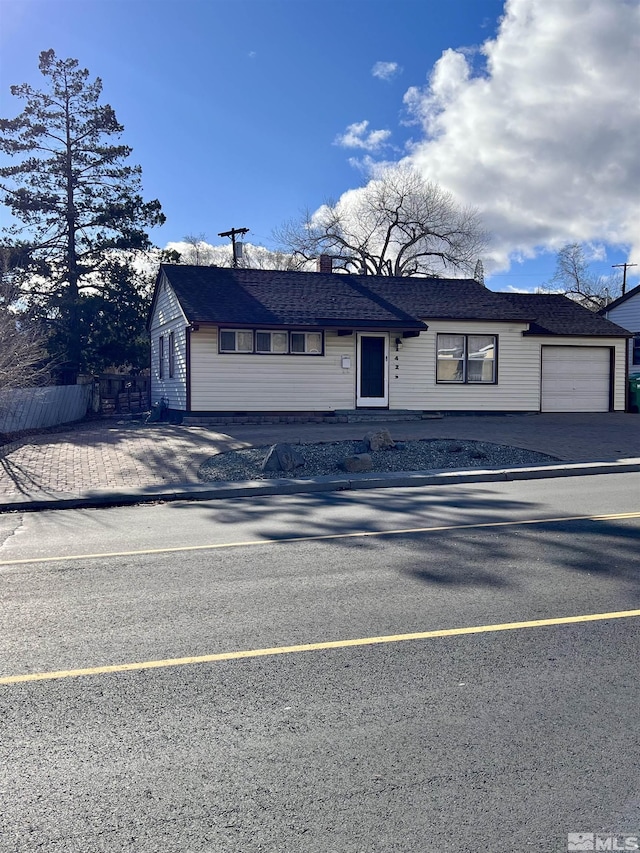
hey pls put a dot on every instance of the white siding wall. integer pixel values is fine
(627, 315)
(519, 365)
(168, 317)
(253, 383)
(518, 387)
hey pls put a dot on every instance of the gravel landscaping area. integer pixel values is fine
(325, 458)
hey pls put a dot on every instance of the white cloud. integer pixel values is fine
(544, 137)
(206, 254)
(358, 135)
(201, 252)
(545, 142)
(386, 70)
(595, 252)
(512, 289)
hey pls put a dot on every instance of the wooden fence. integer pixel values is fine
(39, 408)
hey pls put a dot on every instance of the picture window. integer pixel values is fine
(467, 359)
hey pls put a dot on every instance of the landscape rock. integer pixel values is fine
(379, 440)
(282, 457)
(358, 463)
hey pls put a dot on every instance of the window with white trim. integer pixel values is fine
(276, 342)
(172, 354)
(467, 359)
(306, 343)
(236, 340)
(271, 341)
(161, 357)
(635, 349)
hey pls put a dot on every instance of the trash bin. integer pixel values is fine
(634, 394)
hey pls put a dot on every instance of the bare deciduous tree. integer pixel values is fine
(195, 250)
(398, 224)
(198, 251)
(23, 356)
(261, 258)
(574, 278)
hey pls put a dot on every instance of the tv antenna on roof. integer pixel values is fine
(237, 249)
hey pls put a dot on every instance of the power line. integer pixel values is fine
(232, 233)
(624, 274)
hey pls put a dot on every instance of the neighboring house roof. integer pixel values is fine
(245, 297)
(554, 314)
(635, 291)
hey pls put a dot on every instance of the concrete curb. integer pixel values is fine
(260, 488)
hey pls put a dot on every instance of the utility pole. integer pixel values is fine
(232, 233)
(624, 274)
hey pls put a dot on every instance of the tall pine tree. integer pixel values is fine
(78, 200)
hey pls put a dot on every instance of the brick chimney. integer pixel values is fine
(324, 263)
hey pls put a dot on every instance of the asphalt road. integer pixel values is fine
(490, 741)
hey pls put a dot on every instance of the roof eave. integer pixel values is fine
(628, 295)
(318, 324)
(549, 334)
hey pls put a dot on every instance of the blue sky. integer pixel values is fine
(245, 112)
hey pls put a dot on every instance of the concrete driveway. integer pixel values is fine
(127, 454)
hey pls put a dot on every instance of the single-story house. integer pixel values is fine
(625, 311)
(240, 341)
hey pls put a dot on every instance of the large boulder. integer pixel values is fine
(379, 440)
(282, 457)
(358, 463)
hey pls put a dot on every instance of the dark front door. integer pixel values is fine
(372, 390)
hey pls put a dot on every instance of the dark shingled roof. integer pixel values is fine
(444, 299)
(272, 298)
(276, 298)
(554, 314)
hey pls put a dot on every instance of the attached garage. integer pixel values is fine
(576, 379)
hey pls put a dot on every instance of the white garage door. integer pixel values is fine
(575, 379)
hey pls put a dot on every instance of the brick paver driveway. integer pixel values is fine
(118, 454)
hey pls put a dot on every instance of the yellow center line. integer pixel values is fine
(286, 540)
(314, 647)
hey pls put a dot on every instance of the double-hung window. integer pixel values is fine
(467, 359)
(161, 357)
(635, 352)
